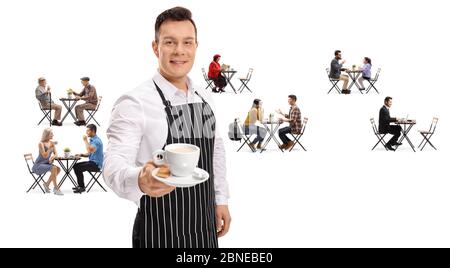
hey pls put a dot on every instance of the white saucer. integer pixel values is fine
(182, 182)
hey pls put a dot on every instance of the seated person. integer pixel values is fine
(94, 148)
(42, 93)
(214, 73)
(89, 95)
(294, 118)
(44, 162)
(384, 124)
(256, 114)
(336, 68)
(366, 73)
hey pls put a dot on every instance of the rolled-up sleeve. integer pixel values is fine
(124, 137)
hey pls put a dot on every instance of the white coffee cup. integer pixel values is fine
(182, 158)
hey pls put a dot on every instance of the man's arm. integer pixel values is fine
(40, 95)
(91, 94)
(124, 133)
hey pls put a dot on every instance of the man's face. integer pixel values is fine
(175, 48)
(43, 83)
(291, 101)
(339, 56)
(84, 83)
(89, 133)
(389, 103)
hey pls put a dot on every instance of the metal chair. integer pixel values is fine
(245, 81)
(93, 112)
(372, 82)
(427, 134)
(245, 137)
(37, 178)
(297, 136)
(208, 80)
(94, 179)
(379, 135)
(47, 114)
(334, 82)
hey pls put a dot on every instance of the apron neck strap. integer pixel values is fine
(165, 102)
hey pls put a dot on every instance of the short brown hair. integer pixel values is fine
(174, 14)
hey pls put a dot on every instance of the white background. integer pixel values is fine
(338, 194)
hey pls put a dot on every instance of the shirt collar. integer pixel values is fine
(168, 88)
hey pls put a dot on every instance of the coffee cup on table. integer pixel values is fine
(182, 158)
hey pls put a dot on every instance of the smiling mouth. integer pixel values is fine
(178, 62)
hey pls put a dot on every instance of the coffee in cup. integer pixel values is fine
(182, 158)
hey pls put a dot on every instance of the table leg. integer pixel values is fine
(67, 113)
(275, 138)
(354, 77)
(71, 109)
(407, 138)
(67, 174)
(263, 147)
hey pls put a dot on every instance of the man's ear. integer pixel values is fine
(155, 48)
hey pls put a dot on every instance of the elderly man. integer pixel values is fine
(43, 95)
(89, 95)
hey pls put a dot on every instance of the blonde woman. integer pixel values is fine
(44, 162)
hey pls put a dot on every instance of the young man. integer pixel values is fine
(94, 148)
(43, 94)
(336, 68)
(164, 110)
(89, 95)
(294, 118)
(384, 124)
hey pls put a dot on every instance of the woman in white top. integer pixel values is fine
(366, 73)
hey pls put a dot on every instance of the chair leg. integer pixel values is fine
(297, 141)
(335, 86)
(94, 180)
(420, 144)
(427, 141)
(241, 87)
(380, 140)
(247, 88)
(371, 85)
(36, 183)
(46, 116)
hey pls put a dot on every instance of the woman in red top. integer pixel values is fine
(214, 73)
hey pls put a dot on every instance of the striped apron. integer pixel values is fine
(185, 218)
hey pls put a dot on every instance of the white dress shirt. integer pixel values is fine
(138, 127)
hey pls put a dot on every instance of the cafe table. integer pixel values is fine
(272, 127)
(67, 163)
(69, 103)
(228, 74)
(406, 126)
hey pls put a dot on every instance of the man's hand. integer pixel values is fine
(279, 111)
(343, 61)
(85, 139)
(223, 220)
(150, 185)
(78, 98)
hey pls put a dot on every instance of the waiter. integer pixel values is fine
(163, 110)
